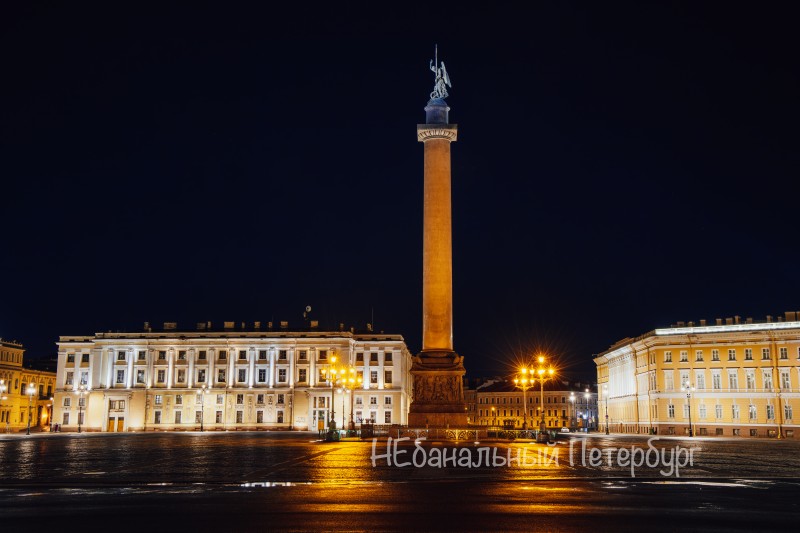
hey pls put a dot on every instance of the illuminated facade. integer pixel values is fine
(500, 403)
(253, 380)
(734, 378)
(16, 405)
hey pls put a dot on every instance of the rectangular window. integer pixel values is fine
(262, 355)
(84, 378)
(765, 354)
(262, 375)
(770, 412)
(698, 355)
(735, 412)
(120, 356)
(303, 355)
(667, 357)
(301, 375)
(65, 419)
(715, 355)
(684, 356)
(280, 416)
(181, 375)
(69, 378)
(785, 383)
(281, 399)
(668, 381)
(85, 357)
(242, 377)
(750, 381)
(702, 411)
(784, 353)
(239, 417)
(700, 378)
(140, 376)
(220, 375)
(181, 355)
(259, 417)
(752, 412)
(70, 358)
(198, 399)
(223, 355)
(359, 400)
(718, 411)
(218, 417)
(373, 357)
(242, 355)
(120, 376)
(716, 380)
(240, 399)
(282, 355)
(387, 378)
(387, 400)
(162, 355)
(158, 399)
(220, 399)
(766, 376)
(161, 376)
(179, 399)
(373, 376)
(157, 417)
(281, 375)
(387, 417)
(323, 354)
(731, 355)
(67, 402)
(359, 357)
(260, 399)
(201, 376)
(748, 354)
(387, 358)
(202, 355)
(359, 416)
(178, 417)
(373, 400)
(671, 411)
(198, 417)
(733, 380)
(787, 411)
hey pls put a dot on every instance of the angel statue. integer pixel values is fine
(442, 79)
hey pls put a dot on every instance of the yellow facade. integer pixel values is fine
(732, 379)
(17, 406)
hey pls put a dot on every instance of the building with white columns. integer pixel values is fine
(233, 379)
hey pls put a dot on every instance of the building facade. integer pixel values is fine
(734, 378)
(229, 380)
(25, 395)
(500, 403)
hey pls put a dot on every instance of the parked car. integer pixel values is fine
(564, 430)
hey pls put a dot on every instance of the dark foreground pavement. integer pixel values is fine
(279, 481)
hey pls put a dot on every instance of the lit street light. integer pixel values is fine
(688, 389)
(572, 411)
(587, 397)
(522, 381)
(543, 375)
(31, 390)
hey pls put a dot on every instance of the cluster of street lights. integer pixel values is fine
(526, 379)
(348, 379)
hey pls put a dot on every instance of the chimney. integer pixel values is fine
(728, 321)
(314, 324)
(791, 316)
(201, 326)
(228, 325)
(749, 320)
(256, 325)
(284, 324)
(719, 321)
(702, 321)
(737, 317)
(691, 324)
(269, 325)
(769, 318)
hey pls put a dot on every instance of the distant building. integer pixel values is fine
(743, 379)
(500, 403)
(254, 379)
(16, 404)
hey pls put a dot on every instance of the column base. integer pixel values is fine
(438, 390)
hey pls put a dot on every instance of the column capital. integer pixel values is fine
(426, 132)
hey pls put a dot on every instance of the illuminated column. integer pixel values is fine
(190, 377)
(271, 367)
(170, 366)
(312, 368)
(251, 378)
(129, 380)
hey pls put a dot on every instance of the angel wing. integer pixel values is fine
(445, 76)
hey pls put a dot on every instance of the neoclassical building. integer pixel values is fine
(734, 378)
(24, 393)
(566, 404)
(234, 379)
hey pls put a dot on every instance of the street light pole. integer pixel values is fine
(586, 396)
(81, 392)
(203, 391)
(523, 382)
(544, 374)
(688, 388)
(31, 390)
(605, 395)
(572, 410)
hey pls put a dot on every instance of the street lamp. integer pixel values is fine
(587, 397)
(332, 375)
(522, 381)
(572, 410)
(81, 392)
(494, 420)
(605, 395)
(688, 388)
(203, 392)
(31, 390)
(351, 380)
(543, 374)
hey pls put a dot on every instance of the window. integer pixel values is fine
(140, 376)
(748, 354)
(259, 417)
(198, 417)
(735, 412)
(220, 375)
(359, 415)
(700, 378)
(671, 411)
(69, 378)
(766, 376)
(65, 419)
(770, 412)
(201, 376)
(280, 417)
(67, 402)
(716, 380)
(260, 399)
(202, 355)
(715, 355)
(785, 383)
(750, 380)
(668, 381)
(359, 400)
(262, 375)
(181, 375)
(731, 355)
(85, 357)
(240, 399)
(282, 355)
(718, 411)
(752, 412)
(220, 399)
(684, 356)
(303, 355)
(373, 376)
(81, 402)
(162, 376)
(262, 355)
(323, 354)
(686, 410)
(159, 399)
(120, 356)
(281, 399)
(667, 357)
(178, 417)
(359, 357)
(242, 377)
(242, 355)
(387, 400)
(218, 417)
(387, 358)
(784, 353)
(223, 355)
(702, 411)
(373, 357)
(84, 378)
(157, 417)
(141, 355)
(301, 375)
(120, 376)
(182, 355)
(70, 358)
(239, 417)
(765, 354)
(698, 355)
(281, 375)
(787, 411)
(733, 380)
(179, 399)
(387, 417)
(373, 400)
(162, 355)
(198, 399)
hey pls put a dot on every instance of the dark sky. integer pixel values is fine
(619, 168)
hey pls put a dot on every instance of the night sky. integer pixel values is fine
(619, 168)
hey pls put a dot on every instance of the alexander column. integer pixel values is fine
(438, 370)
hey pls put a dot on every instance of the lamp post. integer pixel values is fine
(494, 420)
(332, 375)
(522, 381)
(81, 392)
(352, 380)
(605, 395)
(543, 374)
(3, 389)
(587, 397)
(30, 391)
(50, 415)
(203, 391)
(572, 410)
(688, 389)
